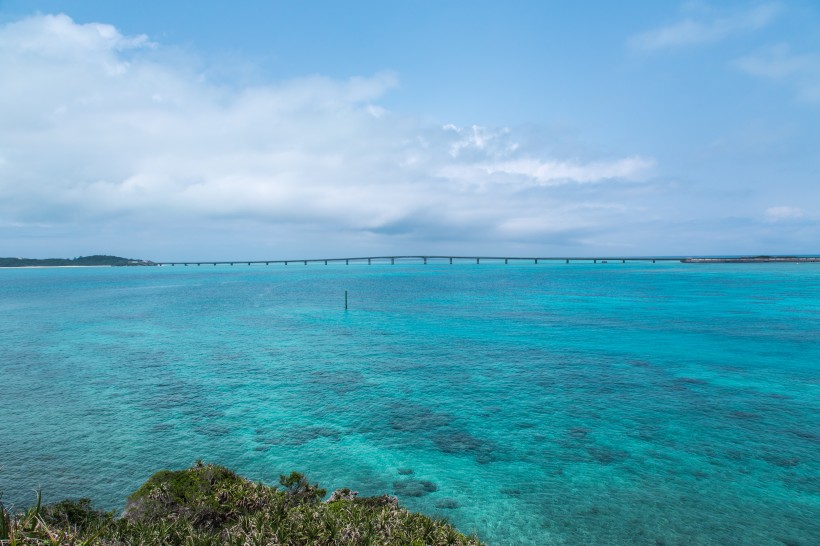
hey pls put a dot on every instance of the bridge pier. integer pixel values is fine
(506, 261)
(425, 260)
(623, 261)
(368, 261)
(325, 262)
(478, 260)
(347, 262)
(595, 261)
(392, 261)
(451, 261)
(536, 261)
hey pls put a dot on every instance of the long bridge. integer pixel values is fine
(370, 260)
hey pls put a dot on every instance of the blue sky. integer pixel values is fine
(196, 130)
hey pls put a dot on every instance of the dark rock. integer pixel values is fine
(343, 494)
(405, 471)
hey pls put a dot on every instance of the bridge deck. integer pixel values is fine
(370, 260)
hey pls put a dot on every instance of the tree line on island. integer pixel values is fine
(96, 260)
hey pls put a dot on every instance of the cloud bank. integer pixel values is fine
(101, 127)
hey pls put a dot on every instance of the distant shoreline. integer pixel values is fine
(750, 260)
(115, 261)
(51, 266)
(97, 260)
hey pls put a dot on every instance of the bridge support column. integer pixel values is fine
(425, 260)
(451, 261)
(623, 261)
(347, 262)
(567, 261)
(325, 262)
(478, 260)
(368, 261)
(392, 261)
(505, 261)
(595, 261)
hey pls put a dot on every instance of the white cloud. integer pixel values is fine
(99, 127)
(776, 214)
(779, 63)
(692, 32)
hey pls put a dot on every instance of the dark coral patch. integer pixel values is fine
(605, 455)
(448, 504)
(414, 488)
(460, 442)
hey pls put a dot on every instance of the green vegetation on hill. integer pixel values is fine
(211, 505)
(96, 260)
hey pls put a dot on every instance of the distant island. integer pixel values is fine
(751, 260)
(83, 261)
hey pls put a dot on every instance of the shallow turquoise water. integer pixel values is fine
(553, 404)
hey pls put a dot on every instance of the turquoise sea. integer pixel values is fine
(599, 404)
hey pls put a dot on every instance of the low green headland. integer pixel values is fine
(87, 261)
(211, 505)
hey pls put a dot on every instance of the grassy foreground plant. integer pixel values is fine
(211, 505)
